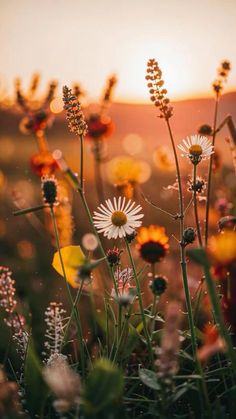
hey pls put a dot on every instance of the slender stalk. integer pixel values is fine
(74, 308)
(81, 138)
(149, 346)
(72, 315)
(210, 171)
(202, 385)
(195, 205)
(97, 171)
(29, 210)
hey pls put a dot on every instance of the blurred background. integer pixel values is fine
(48, 44)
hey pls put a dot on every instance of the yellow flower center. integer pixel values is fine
(118, 218)
(195, 150)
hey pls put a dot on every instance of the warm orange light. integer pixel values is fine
(56, 105)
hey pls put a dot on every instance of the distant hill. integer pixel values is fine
(141, 119)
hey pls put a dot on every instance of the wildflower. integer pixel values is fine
(7, 290)
(189, 235)
(54, 319)
(90, 242)
(125, 170)
(75, 116)
(49, 189)
(99, 126)
(223, 72)
(212, 343)
(205, 129)
(158, 284)
(156, 90)
(111, 82)
(118, 218)
(73, 258)
(196, 148)
(113, 256)
(77, 268)
(198, 186)
(222, 248)
(131, 237)
(227, 222)
(163, 159)
(223, 206)
(43, 163)
(63, 382)
(125, 291)
(152, 243)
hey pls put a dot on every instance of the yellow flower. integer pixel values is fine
(222, 247)
(73, 259)
(163, 159)
(122, 170)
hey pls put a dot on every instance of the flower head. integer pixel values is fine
(158, 284)
(196, 148)
(117, 218)
(123, 169)
(74, 114)
(156, 90)
(63, 381)
(49, 189)
(152, 243)
(73, 259)
(212, 343)
(125, 293)
(222, 248)
(113, 256)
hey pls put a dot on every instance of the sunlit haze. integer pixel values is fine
(85, 41)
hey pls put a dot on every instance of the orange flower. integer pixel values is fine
(222, 248)
(213, 343)
(152, 243)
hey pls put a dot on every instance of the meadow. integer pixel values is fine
(118, 253)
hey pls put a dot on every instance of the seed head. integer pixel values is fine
(157, 93)
(74, 114)
(49, 189)
(159, 284)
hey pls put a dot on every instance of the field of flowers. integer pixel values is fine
(117, 295)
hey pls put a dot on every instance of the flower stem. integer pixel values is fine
(81, 162)
(202, 385)
(74, 308)
(210, 171)
(195, 205)
(149, 346)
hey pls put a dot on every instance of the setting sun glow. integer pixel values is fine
(84, 42)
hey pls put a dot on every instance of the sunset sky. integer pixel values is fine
(84, 41)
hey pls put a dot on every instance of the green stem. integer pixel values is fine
(202, 386)
(195, 205)
(210, 171)
(81, 162)
(72, 315)
(74, 308)
(149, 346)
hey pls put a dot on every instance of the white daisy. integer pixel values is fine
(196, 148)
(118, 218)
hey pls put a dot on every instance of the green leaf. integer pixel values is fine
(199, 256)
(149, 378)
(104, 386)
(35, 387)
